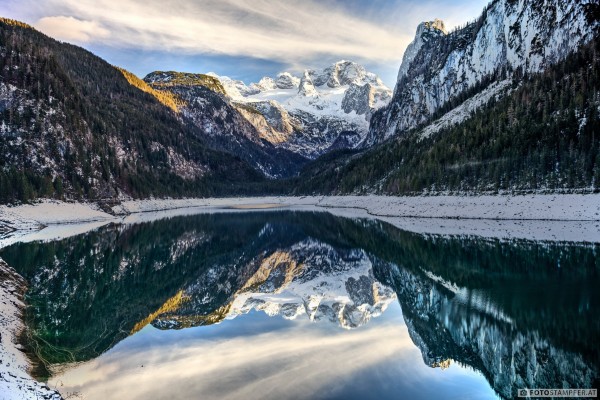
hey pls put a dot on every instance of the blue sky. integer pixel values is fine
(243, 39)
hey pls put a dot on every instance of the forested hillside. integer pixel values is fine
(74, 127)
(509, 36)
(71, 125)
(544, 135)
(201, 100)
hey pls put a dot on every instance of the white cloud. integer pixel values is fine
(71, 29)
(292, 32)
(301, 361)
(251, 359)
(297, 34)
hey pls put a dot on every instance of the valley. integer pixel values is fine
(285, 220)
(338, 130)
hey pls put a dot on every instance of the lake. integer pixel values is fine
(282, 304)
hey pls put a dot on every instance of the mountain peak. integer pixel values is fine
(307, 88)
(343, 73)
(340, 73)
(285, 80)
(266, 83)
(425, 31)
(436, 27)
(173, 78)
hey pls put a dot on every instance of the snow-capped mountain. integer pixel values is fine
(310, 279)
(307, 114)
(202, 100)
(511, 37)
(316, 280)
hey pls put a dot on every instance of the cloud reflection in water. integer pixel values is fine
(254, 356)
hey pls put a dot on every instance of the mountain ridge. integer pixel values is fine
(524, 123)
(510, 36)
(305, 115)
(62, 136)
(503, 103)
(527, 135)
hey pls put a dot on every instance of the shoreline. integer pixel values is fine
(16, 381)
(555, 217)
(549, 207)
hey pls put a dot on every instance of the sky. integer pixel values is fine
(243, 39)
(255, 356)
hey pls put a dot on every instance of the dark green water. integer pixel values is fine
(308, 305)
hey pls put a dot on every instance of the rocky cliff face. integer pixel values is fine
(426, 31)
(286, 80)
(307, 87)
(315, 113)
(511, 37)
(363, 100)
(228, 126)
(450, 323)
(308, 278)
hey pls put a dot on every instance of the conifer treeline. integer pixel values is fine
(64, 105)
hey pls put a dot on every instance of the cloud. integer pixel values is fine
(294, 32)
(71, 29)
(238, 35)
(302, 361)
(257, 357)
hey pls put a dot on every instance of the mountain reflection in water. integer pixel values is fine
(521, 313)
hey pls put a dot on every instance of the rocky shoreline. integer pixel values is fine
(16, 381)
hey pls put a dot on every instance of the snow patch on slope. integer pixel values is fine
(466, 109)
(319, 282)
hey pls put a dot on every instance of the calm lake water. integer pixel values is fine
(278, 305)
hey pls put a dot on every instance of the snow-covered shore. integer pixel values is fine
(572, 218)
(15, 381)
(563, 207)
(558, 217)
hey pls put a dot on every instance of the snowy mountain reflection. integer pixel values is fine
(519, 313)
